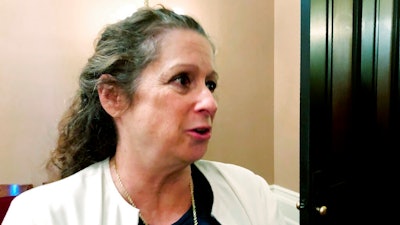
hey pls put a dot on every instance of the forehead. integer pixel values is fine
(178, 42)
(180, 49)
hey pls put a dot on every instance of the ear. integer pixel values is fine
(111, 97)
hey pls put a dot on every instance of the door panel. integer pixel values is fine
(349, 110)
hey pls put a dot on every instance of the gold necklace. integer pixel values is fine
(133, 204)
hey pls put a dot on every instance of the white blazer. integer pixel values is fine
(89, 197)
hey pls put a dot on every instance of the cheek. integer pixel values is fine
(159, 109)
(170, 120)
(159, 114)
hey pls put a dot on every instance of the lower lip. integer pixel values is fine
(200, 137)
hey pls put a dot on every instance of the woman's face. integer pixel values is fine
(173, 108)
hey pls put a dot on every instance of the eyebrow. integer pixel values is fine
(213, 73)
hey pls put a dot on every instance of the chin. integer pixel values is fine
(198, 154)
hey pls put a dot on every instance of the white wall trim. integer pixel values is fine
(287, 202)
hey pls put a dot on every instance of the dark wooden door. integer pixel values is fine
(350, 111)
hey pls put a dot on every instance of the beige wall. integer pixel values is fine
(45, 43)
(287, 94)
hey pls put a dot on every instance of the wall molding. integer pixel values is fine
(287, 200)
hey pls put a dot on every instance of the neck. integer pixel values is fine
(166, 198)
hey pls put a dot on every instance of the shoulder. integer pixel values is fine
(53, 197)
(227, 170)
(242, 191)
(82, 181)
(223, 176)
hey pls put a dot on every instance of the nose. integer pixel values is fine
(206, 103)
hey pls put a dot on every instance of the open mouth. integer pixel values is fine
(202, 130)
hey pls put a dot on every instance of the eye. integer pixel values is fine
(211, 85)
(182, 79)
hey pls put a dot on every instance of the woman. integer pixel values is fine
(130, 146)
